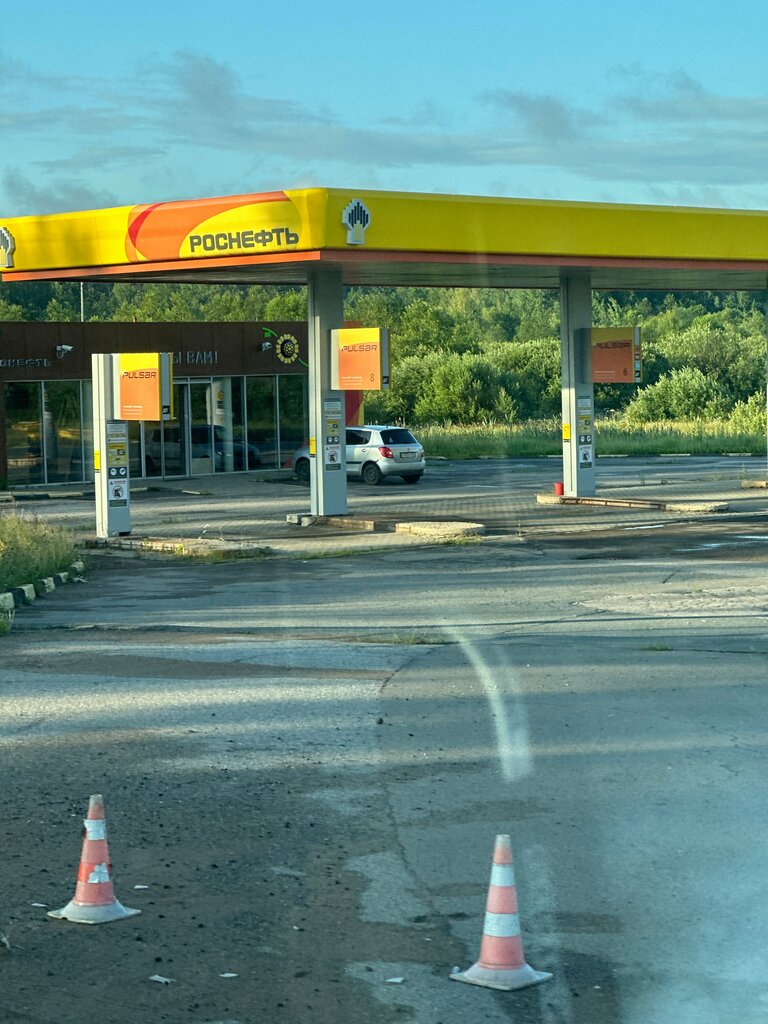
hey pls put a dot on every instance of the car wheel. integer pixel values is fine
(413, 478)
(302, 470)
(371, 474)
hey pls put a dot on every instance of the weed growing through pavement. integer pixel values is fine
(31, 548)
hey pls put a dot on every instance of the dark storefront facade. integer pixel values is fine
(240, 398)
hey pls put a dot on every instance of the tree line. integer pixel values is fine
(480, 355)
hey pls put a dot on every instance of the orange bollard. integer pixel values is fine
(94, 901)
(502, 962)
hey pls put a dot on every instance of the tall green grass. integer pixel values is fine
(536, 438)
(30, 549)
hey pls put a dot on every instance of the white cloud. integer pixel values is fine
(192, 125)
(27, 197)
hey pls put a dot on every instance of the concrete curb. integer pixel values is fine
(432, 529)
(17, 597)
(341, 522)
(346, 541)
(689, 507)
(440, 531)
(184, 547)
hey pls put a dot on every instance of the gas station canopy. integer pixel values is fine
(393, 238)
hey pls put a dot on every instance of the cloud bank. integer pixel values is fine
(192, 126)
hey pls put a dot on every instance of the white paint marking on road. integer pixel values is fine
(512, 742)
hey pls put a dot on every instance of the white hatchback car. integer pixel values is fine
(374, 452)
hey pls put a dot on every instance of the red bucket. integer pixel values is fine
(559, 490)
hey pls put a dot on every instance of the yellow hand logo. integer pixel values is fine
(356, 218)
(7, 248)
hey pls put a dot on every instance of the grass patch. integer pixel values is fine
(537, 438)
(30, 549)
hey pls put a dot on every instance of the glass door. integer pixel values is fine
(201, 429)
(165, 444)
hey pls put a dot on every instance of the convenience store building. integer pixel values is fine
(240, 398)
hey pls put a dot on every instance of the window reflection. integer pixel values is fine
(23, 411)
(61, 422)
(294, 414)
(262, 433)
(235, 424)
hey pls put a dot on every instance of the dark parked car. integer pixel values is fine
(243, 455)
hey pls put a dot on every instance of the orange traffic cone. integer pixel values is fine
(502, 962)
(94, 901)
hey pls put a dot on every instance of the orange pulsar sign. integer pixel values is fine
(360, 359)
(616, 355)
(139, 390)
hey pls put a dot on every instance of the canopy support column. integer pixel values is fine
(328, 474)
(577, 388)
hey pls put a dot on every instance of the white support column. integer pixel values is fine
(110, 455)
(577, 388)
(328, 477)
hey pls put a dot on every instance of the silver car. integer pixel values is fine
(373, 453)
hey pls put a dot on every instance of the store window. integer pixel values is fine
(23, 410)
(262, 432)
(293, 397)
(233, 451)
(87, 392)
(61, 423)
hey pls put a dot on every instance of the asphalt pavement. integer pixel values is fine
(306, 758)
(497, 497)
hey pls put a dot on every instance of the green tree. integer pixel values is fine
(422, 327)
(750, 417)
(464, 388)
(529, 373)
(685, 393)
(375, 307)
(10, 310)
(288, 305)
(538, 313)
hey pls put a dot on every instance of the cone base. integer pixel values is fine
(503, 980)
(83, 914)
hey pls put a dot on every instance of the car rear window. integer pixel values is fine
(398, 437)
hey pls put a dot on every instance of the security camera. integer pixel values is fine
(62, 350)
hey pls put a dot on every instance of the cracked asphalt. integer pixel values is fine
(305, 760)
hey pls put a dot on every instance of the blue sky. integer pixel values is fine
(660, 102)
